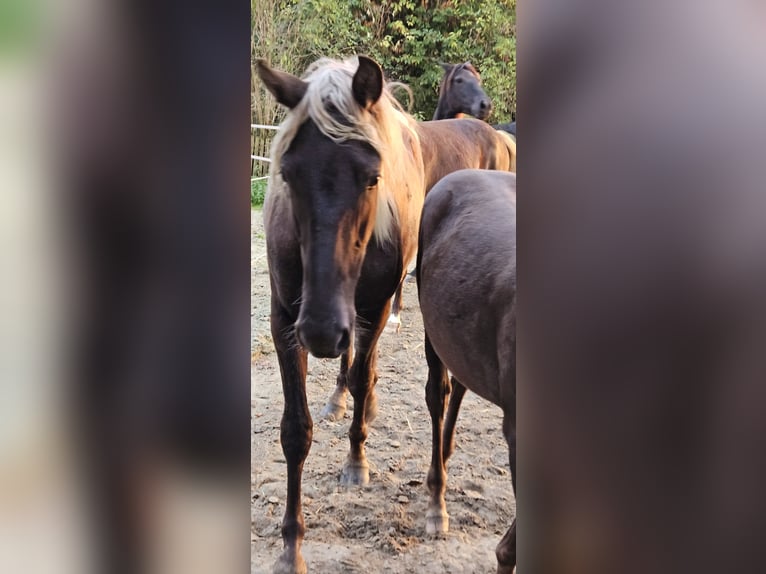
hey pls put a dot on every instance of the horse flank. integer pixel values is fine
(384, 126)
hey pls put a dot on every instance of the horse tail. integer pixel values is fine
(401, 86)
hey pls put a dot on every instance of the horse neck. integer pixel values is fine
(410, 172)
(443, 112)
(408, 192)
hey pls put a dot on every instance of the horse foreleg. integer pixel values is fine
(506, 549)
(437, 519)
(361, 381)
(295, 435)
(335, 408)
(455, 400)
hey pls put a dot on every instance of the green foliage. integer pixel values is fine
(409, 38)
(257, 192)
(422, 34)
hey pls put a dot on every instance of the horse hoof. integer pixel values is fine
(290, 563)
(355, 474)
(437, 523)
(333, 411)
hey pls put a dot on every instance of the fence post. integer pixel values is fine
(259, 150)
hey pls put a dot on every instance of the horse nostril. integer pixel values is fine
(484, 104)
(344, 340)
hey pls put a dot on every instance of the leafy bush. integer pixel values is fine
(408, 38)
(257, 192)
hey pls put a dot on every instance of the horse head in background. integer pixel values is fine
(460, 92)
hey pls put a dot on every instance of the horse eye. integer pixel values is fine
(458, 80)
(374, 180)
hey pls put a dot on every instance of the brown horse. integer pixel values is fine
(505, 145)
(468, 230)
(349, 174)
(460, 92)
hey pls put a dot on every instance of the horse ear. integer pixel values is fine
(367, 85)
(446, 67)
(286, 88)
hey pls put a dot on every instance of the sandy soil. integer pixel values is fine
(379, 528)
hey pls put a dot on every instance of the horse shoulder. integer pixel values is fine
(282, 248)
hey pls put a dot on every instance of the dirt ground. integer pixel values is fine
(379, 528)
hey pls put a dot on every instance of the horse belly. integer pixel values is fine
(462, 331)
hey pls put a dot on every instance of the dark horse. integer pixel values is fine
(468, 229)
(510, 128)
(349, 174)
(460, 92)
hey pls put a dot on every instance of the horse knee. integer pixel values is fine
(296, 433)
(359, 386)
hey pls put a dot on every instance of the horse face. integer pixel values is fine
(333, 190)
(467, 95)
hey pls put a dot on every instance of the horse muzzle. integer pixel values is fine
(325, 339)
(483, 109)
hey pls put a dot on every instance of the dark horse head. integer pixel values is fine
(327, 164)
(460, 92)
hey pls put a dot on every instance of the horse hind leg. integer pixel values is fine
(335, 408)
(506, 549)
(437, 519)
(394, 320)
(361, 380)
(455, 400)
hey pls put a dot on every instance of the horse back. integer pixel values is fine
(452, 145)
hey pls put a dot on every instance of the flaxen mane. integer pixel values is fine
(330, 103)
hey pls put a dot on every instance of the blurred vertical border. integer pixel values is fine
(642, 287)
(124, 246)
